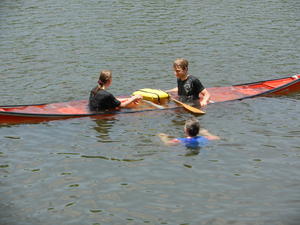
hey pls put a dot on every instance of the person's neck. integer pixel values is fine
(188, 136)
(101, 87)
(184, 77)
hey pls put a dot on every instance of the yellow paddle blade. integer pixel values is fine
(188, 107)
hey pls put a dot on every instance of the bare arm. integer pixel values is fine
(205, 97)
(135, 99)
(208, 135)
(166, 139)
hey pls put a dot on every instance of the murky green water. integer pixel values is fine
(116, 171)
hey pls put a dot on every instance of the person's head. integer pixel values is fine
(105, 78)
(192, 127)
(181, 67)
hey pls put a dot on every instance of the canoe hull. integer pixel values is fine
(281, 86)
(19, 118)
(76, 109)
(65, 110)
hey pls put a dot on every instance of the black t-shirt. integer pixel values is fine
(189, 89)
(102, 100)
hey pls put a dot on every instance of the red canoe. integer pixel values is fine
(13, 114)
(281, 86)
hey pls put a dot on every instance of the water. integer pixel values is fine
(116, 171)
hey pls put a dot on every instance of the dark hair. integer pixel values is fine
(192, 127)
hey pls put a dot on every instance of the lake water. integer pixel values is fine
(116, 171)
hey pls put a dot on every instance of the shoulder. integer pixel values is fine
(183, 140)
(104, 93)
(178, 139)
(191, 77)
(194, 79)
(94, 89)
(202, 138)
(194, 142)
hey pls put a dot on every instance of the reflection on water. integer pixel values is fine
(192, 151)
(109, 158)
(103, 127)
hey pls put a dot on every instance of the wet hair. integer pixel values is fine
(182, 63)
(192, 127)
(105, 75)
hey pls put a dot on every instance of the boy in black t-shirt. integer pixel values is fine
(189, 88)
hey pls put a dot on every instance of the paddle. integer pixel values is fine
(153, 104)
(188, 107)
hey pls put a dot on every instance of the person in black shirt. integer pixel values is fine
(100, 99)
(189, 88)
